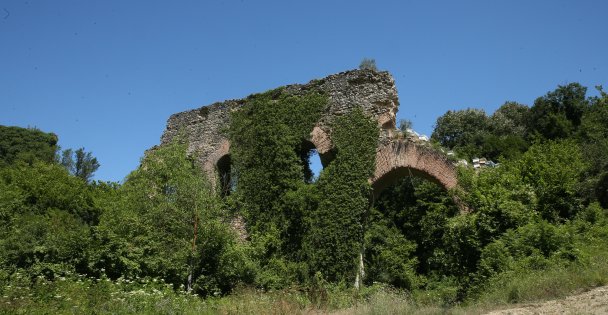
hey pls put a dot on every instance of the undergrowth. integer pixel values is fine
(81, 295)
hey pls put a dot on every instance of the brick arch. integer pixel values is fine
(399, 158)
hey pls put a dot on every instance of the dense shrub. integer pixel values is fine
(165, 222)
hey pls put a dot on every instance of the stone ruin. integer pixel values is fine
(375, 92)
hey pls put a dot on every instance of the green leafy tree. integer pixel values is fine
(554, 170)
(462, 130)
(471, 133)
(45, 220)
(557, 114)
(165, 222)
(40, 187)
(26, 144)
(79, 163)
(529, 247)
(499, 198)
(510, 119)
(593, 135)
(419, 210)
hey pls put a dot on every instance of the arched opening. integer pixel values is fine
(226, 176)
(315, 165)
(407, 221)
(312, 161)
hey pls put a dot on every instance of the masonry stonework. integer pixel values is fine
(373, 91)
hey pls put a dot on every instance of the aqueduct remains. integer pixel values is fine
(375, 92)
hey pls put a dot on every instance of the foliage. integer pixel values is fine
(268, 136)
(419, 210)
(45, 218)
(499, 199)
(270, 150)
(335, 237)
(554, 170)
(26, 144)
(460, 128)
(543, 261)
(405, 124)
(389, 256)
(165, 222)
(593, 135)
(41, 187)
(510, 119)
(79, 163)
(471, 133)
(368, 64)
(557, 114)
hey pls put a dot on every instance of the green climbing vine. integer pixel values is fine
(268, 140)
(335, 238)
(298, 227)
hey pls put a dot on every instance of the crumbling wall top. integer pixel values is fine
(373, 91)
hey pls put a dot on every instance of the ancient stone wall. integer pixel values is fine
(373, 91)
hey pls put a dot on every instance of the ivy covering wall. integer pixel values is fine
(298, 227)
(335, 238)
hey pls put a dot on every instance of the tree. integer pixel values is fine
(166, 222)
(554, 170)
(459, 128)
(510, 119)
(558, 114)
(471, 133)
(368, 64)
(79, 163)
(462, 131)
(593, 134)
(45, 219)
(27, 145)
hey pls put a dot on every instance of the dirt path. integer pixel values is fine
(591, 302)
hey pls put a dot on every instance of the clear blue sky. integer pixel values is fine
(106, 75)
